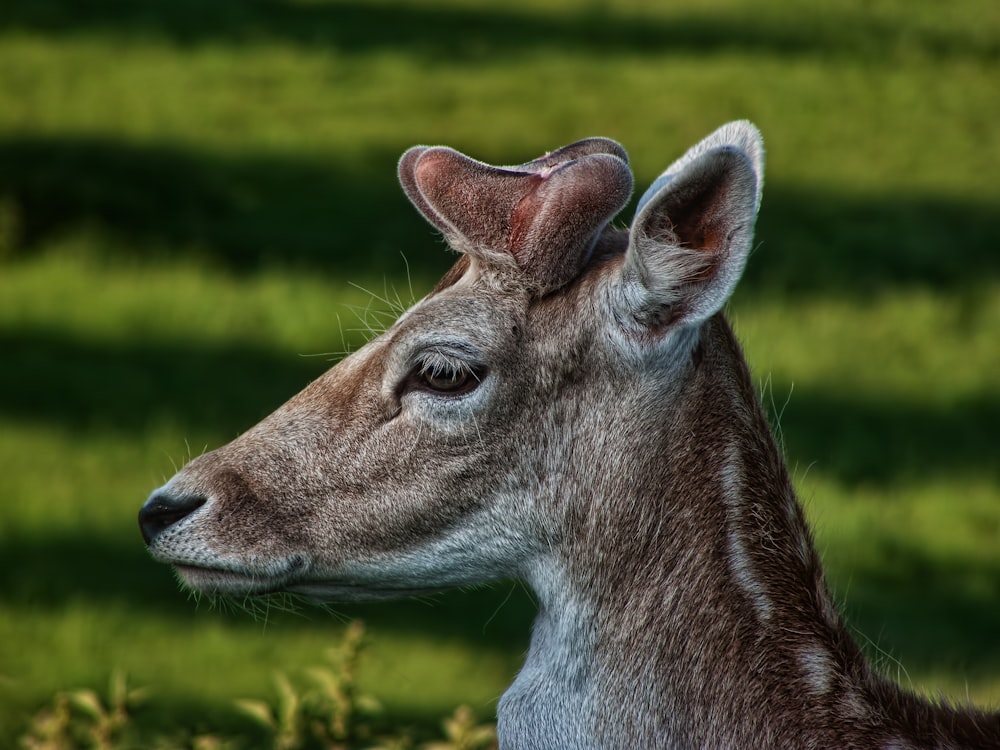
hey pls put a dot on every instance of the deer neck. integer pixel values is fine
(691, 584)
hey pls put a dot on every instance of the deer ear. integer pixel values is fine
(693, 230)
(407, 178)
(586, 147)
(541, 217)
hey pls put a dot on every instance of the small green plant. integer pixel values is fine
(324, 710)
(462, 732)
(79, 719)
(50, 728)
(328, 711)
(284, 719)
(339, 711)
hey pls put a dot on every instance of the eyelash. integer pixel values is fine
(445, 376)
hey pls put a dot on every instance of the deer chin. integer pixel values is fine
(237, 580)
(214, 581)
(340, 591)
(290, 577)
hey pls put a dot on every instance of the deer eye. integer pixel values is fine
(444, 375)
(446, 381)
(450, 379)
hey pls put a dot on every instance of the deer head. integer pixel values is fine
(461, 444)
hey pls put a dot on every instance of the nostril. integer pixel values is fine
(162, 511)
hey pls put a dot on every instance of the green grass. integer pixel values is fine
(188, 191)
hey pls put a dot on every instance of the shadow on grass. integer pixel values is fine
(240, 213)
(860, 440)
(455, 32)
(934, 614)
(811, 241)
(351, 218)
(218, 389)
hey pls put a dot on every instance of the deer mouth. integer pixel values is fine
(233, 580)
(340, 591)
(220, 581)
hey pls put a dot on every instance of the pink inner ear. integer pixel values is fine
(523, 217)
(697, 215)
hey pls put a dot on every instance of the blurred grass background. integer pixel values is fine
(190, 191)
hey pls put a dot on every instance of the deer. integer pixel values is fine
(568, 406)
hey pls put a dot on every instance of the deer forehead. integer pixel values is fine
(498, 325)
(467, 321)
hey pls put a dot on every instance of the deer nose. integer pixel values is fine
(162, 510)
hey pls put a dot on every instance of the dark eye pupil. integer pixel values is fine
(450, 380)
